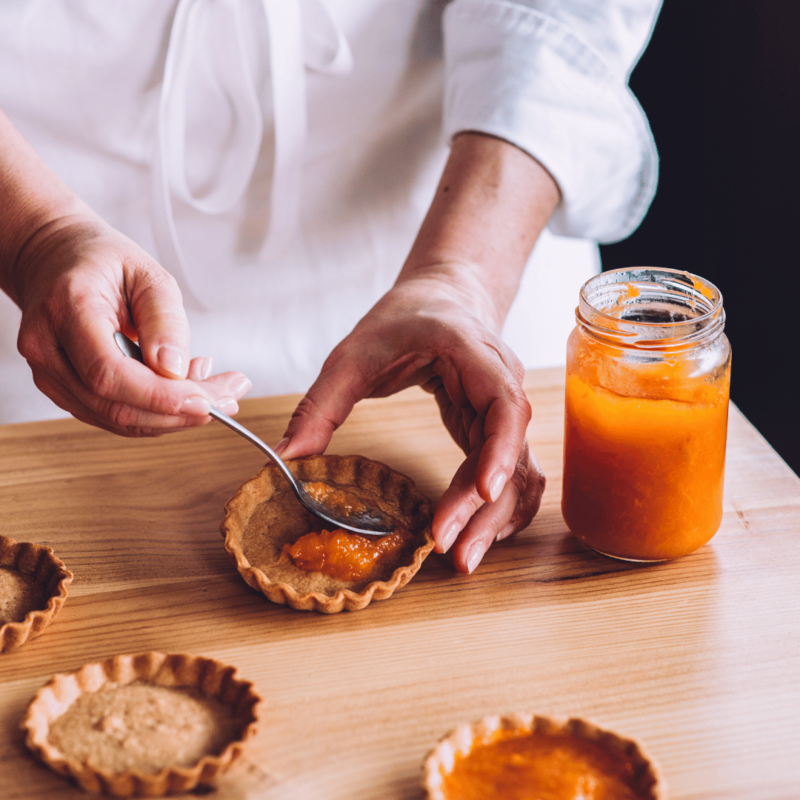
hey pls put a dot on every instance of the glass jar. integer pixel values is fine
(648, 381)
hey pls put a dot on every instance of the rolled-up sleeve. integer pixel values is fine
(552, 78)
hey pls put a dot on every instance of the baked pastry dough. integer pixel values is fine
(33, 588)
(142, 725)
(264, 516)
(522, 756)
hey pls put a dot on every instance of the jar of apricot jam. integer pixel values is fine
(646, 417)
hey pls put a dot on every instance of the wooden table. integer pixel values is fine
(700, 658)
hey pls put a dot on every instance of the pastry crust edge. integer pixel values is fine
(234, 523)
(459, 741)
(41, 563)
(211, 677)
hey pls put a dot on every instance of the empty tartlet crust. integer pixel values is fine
(264, 515)
(204, 677)
(649, 780)
(40, 580)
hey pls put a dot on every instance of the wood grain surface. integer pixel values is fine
(699, 658)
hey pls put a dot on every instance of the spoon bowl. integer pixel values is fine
(359, 518)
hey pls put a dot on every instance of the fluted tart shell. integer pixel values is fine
(264, 516)
(33, 588)
(142, 725)
(640, 774)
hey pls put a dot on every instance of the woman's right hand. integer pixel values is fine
(77, 281)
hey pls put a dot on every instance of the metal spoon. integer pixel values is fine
(370, 522)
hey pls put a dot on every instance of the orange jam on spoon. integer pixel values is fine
(342, 554)
(543, 766)
(346, 503)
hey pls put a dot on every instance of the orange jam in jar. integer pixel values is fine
(646, 415)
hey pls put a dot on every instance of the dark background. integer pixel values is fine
(720, 84)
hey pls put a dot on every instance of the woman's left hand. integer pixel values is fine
(439, 328)
(430, 332)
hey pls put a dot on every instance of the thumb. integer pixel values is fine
(325, 407)
(160, 322)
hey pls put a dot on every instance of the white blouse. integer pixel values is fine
(278, 156)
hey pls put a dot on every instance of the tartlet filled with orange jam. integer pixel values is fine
(288, 554)
(522, 757)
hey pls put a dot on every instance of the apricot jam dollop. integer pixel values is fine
(515, 766)
(342, 554)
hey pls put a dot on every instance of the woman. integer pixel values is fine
(275, 163)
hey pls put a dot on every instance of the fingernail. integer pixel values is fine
(450, 536)
(204, 364)
(475, 555)
(170, 359)
(241, 386)
(505, 533)
(497, 485)
(282, 445)
(195, 406)
(228, 405)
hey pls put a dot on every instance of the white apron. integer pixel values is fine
(280, 167)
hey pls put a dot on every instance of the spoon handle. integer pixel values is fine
(253, 439)
(372, 522)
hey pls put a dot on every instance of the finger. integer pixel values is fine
(233, 385)
(511, 512)
(324, 408)
(226, 390)
(530, 498)
(116, 380)
(143, 424)
(227, 384)
(160, 320)
(122, 404)
(457, 505)
(111, 387)
(200, 368)
(463, 423)
(504, 430)
(491, 386)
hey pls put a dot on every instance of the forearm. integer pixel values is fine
(32, 198)
(490, 206)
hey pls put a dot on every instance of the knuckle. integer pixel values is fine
(516, 366)
(119, 415)
(162, 283)
(305, 408)
(100, 379)
(35, 338)
(518, 398)
(162, 280)
(124, 420)
(29, 345)
(309, 409)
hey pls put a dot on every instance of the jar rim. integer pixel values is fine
(651, 308)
